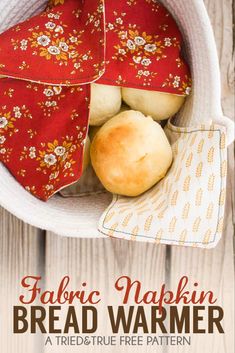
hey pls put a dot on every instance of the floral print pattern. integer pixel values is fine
(143, 49)
(45, 159)
(57, 41)
(52, 59)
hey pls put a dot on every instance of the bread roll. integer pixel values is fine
(105, 103)
(158, 105)
(130, 153)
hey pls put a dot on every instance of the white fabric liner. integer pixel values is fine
(79, 217)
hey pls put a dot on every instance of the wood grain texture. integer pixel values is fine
(21, 254)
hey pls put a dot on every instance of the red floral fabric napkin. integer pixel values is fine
(48, 63)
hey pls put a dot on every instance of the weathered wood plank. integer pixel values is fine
(21, 254)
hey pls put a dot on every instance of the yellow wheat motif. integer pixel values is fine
(199, 170)
(196, 225)
(174, 198)
(207, 236)
(223, 141)
(185, 212)
(127, 220)
(183, 236)
(160, 205)
(148, 223)
(112, 229)
(183, 154)
(222, 197)
(210, 156)
(172, 225)
(178, 175)
(220, 225)
(199, 197)
(210, 134)
(211, 182)
(109, 216)
(159, 236)
(210, 210)
(200, 146)
(134, 232)
(193, 140)
(156, 198)
(224, 169)
(189, 160)
(162, 213)
(187, 183)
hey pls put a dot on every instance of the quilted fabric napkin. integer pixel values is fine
(187, 206)
(48, 63)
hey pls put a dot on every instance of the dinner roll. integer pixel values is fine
(130, 153)
(159, 105)
(86, 154)
(105, 103)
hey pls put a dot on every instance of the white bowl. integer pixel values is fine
(78, 217)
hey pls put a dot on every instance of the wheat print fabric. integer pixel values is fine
(187, 206)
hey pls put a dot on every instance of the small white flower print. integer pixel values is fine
(53, 15)
(97, 23)
(73, 39)
(168, 42)
(140, 41)
(24, 44)
(110, 26)
(48, 92)
(140, 72)
(146, 62)
(32, 152)
(53, 50)
(67, 165)
(131, 44)
(50, 25)
(137, 59)
(50, 104)
(188, 91)
(3, 122)
(150, 48)
(64, 46)
(57, 89)
(59, 29)
(123, 35)
(85, 57)
(60, 150)
(122, 51)
(77, 65)
(3, 151)
(146, 73)
(50, 159)
(43, 40)
(18, 114)
(54, 175)
(2, 140)
(119, 20)
(176, 82)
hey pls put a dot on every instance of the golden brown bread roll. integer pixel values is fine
(158, 105)
(105, 103)
(130, 153)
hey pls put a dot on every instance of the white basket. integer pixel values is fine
(78, 217)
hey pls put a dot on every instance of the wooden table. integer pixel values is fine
(26, 250)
